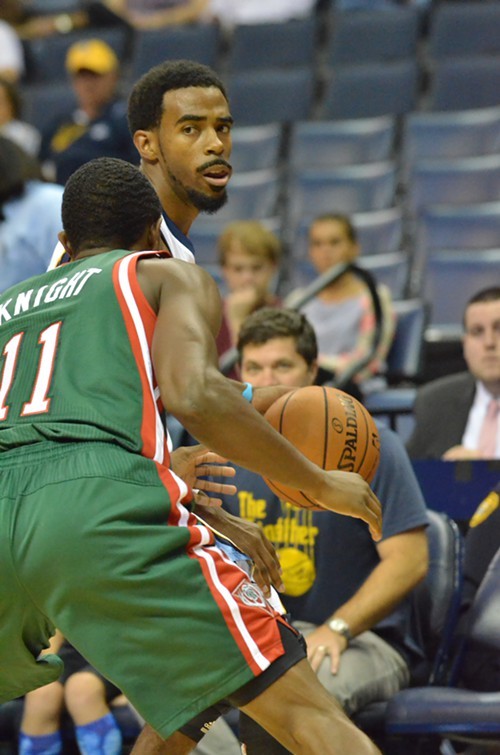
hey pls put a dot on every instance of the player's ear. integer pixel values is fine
(155, 240)
(63, 238)
(146, 144)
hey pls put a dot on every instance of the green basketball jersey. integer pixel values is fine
(75, 359)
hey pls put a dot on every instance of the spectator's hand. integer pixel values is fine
(459, 453)
(249, 538)
(322, 642)
(193, 463)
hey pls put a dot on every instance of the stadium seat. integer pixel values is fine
(328, 144)
(348, 189)
(370, 89)
(252, 195)
(463, 133)
(256, 147)
(198, 42)
(451, 278)
(464, 82)
(475, 226)
(46, 56)
(263, 46)
(391, 269)
(445, 714)
(43, 102)
(464, 28)
(367, 36)
(278, 96)
(465, 180)
(437, 602)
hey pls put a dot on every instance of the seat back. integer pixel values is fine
(465, 82)
(370, 89)
(462, 133)
(253, 194)
(256, 147)
(404, 361)
(198, 42)
(438, 596)
(475, 226)
(463, 180)
(328, 144)
(372, 36)
(464, 28)
(451, 278)
(349, 188)
(278, 96)
(261, 46)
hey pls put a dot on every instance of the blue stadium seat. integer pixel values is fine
(198, 42)
(452, 713)
(206, 230)
(452, 277)
(256, 147)
(278, 96)
(43, 102)
(465, 180)
(475, 226)
(391, 269)
(370, 89)
(263, 46)
(367, 36)
(253, 194)
(328, 144)
(464, 28)
(465, 82)
(348, 189)
(463, 133)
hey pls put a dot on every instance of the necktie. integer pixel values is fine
(488, 435)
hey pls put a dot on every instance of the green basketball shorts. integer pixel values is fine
(93, 543)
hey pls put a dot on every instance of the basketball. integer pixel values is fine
(331, 428)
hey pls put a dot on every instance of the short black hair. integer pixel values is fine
(108, 202)
(145, 104)
(267, 323)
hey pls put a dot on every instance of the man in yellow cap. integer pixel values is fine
(97, 127)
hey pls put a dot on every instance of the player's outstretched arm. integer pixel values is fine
(212, 409)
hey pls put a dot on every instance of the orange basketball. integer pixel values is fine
(331, 428)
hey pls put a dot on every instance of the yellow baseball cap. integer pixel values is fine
(91, 55)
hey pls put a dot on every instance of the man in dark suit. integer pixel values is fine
(451, 413)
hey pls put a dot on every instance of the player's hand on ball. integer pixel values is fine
(347, 493)
(193, 463)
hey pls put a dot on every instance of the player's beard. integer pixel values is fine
(202, 202)
(207, 204)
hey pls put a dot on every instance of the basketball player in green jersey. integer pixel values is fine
(99, 536)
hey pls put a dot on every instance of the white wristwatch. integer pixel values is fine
(340, 626)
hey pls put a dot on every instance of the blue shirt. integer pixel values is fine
(27, 235)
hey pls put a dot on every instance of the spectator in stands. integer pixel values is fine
(231, 13)
(27, 136)
(30, 216)
(98, 126)
(249, 256)
(348, 595)
(32, 25)
(86, 695)
(458, 416)
(155, 14)
(343, 314)
(12, 64)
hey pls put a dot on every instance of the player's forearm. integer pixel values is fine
(215, 413)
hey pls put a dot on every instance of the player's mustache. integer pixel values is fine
(212, 163)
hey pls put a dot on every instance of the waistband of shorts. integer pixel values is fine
(52, 450)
